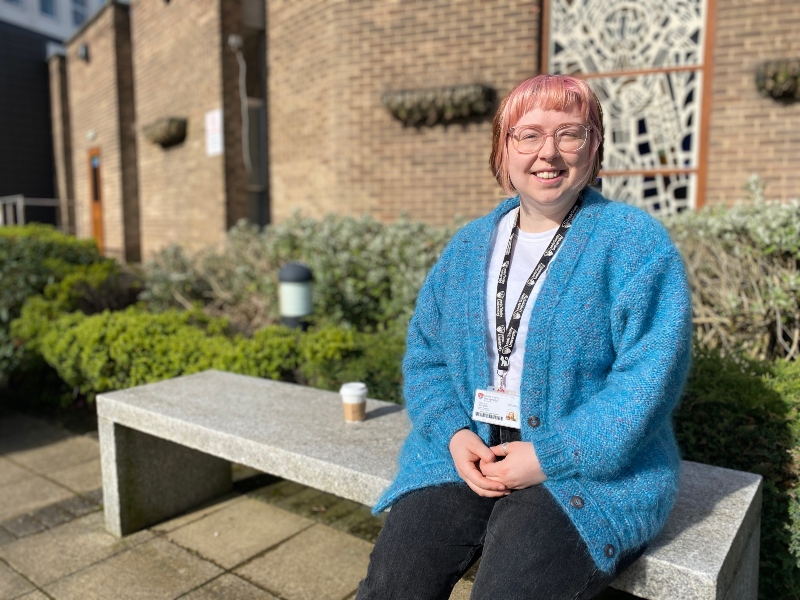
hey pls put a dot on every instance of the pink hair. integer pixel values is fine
(547, 92)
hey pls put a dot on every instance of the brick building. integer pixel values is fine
(93, 100)
(320, 121)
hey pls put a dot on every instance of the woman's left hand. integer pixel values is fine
(519, 468)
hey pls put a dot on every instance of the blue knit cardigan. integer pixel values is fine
(606, 357)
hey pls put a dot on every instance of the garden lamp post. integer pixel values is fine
(295, 294)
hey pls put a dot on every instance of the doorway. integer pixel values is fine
(96, 197)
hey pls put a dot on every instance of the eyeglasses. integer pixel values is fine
(568, 138)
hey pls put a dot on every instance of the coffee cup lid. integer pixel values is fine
(355, 388)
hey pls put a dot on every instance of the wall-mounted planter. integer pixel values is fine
(166, 132)
(779, 80)
(440, 105)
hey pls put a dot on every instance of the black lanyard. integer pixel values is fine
(507, 335)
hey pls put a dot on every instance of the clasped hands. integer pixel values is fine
(479, 465)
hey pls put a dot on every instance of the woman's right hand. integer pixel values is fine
(467, 450)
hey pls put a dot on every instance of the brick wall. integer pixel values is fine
(62, 140)
(750, 133)
(94, 102)
(335, 148)
(182, 62)
(127, 133)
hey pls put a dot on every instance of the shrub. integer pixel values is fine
(742, 414)
(367, 274)
(30, 258)
(116, 350)
(743, 265)
(86, 288)
(331, 356)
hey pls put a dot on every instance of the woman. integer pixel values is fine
(541, 434)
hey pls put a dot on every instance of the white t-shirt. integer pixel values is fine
(526, 252)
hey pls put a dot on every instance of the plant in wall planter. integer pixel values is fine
(166, 132)
(779, 79)
(440, 105)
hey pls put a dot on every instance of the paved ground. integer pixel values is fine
(270, 539)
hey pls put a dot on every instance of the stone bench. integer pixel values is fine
(167, 447)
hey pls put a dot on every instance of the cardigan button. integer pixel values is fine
(576, 502)
(609, 550)
(534, 422)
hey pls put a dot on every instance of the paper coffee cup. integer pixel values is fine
(354, 401)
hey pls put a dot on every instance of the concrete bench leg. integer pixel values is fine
(745, 582)
(147, 480)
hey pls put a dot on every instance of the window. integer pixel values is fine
(78, 12)
(47, 7)
(646, 62)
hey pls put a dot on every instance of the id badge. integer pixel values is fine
(496, 407)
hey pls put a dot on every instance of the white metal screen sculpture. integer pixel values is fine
(644, 60)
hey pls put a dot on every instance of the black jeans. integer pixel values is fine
(530, 548)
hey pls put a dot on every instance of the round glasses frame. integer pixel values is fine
(555, 135)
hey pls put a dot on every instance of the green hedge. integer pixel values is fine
(116, 350)
(31, 257)
(89, 288)
(742, 414)
(330, 356)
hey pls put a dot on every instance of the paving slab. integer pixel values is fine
(229, 587)
(327, 512)
(361, 523)
(66, 549)
(198, 513)
(37, 595)
(57, 455)
(280, 493)
(20, 432)
(320, 506)
(23, 526)
(317, 564)
(12, 584)
(9, 472)
(155, 570)
(5, 536)
(79, 506)
(28, 495)
(95, 496)
(53, 516)
(238, 532)
(80, 478)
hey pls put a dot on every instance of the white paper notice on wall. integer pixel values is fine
(214, 132)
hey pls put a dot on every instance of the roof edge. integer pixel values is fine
(82, 29)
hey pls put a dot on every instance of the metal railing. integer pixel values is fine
(12, 210)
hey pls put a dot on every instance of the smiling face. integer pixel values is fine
(549, 181)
